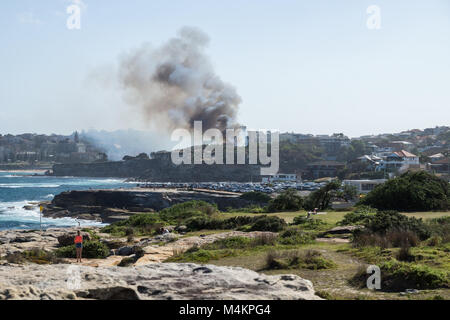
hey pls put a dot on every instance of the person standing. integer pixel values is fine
(79, 245)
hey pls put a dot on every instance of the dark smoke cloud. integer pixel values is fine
(175, 84)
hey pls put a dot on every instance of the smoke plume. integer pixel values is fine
(175, 84)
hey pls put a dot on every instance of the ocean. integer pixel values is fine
(19, 189)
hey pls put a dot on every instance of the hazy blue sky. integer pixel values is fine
(305, 66)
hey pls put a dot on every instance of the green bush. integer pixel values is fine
(295, 237)
(308, 224)
(321, 198)
(266, 223)
(200, 256)
(440, 228)
(258, 223)
(180, 212)
(35, 255)
(386, 221)
(288, 200)
(249, 209)
(403, 275)
(256, 196)
(310, 259)
(149, 223)
(359, 216)
(229, 243)
(412, 191)
(91, 250)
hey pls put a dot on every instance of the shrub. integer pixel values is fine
(391, 239)
(34, 255)
(440, 228)
(310, 259)
(197, 255)
(405, 254)
(288, 200)
(309, 224)
(435, 241)
(266, 223)
(180, 212)
(366, 239)
(149, 223)
(412, 191)
(294, 237)
(91, 250)
(273, 262)
(322, 198)
(229, 243)
(258, 223)
(264, 239)
(359, 216)
(256, 196)
(386, 221)
(402, 275)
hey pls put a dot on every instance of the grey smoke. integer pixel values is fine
(120, 143)
(175, 84)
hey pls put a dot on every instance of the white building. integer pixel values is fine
(401, 159)
(364, 186)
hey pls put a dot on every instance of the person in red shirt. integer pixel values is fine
(79, 245)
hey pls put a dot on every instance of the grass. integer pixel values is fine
(297, 259)
(332, 217)
(427, 215)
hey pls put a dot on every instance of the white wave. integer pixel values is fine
(28, 185)
(14, 211)
(49, 196)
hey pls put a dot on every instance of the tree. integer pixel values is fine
(288, 200)
(321, 198)
(349, 192)
(412, 191)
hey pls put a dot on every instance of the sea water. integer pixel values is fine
(19, 189)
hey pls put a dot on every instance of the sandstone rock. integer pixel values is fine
(181, 229)
(150, 282)
(343, 230)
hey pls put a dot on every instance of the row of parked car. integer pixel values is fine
(239, 187)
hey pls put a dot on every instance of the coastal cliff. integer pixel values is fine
(109, 206)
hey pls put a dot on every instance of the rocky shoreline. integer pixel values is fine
(147, 278)
(109, 206)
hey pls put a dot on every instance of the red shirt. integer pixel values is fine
(78, 239)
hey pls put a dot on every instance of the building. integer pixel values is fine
(322, 169)
(333, 144)
(399, 159)
(364, 186)
(281, 177)
(440, 166)
(436, 157)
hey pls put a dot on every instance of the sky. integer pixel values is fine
(302, 66)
